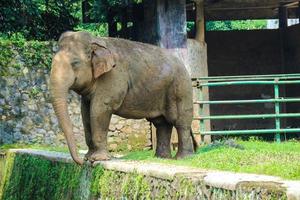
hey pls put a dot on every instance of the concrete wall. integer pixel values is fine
(292, 59)
(292, 50)
(251, 53)
(243, 53)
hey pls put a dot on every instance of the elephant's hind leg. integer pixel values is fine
(163, 137)
(185, 143)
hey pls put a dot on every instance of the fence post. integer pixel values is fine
(277, 110)
(201, 112)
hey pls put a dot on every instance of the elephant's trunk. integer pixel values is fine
(59, 102)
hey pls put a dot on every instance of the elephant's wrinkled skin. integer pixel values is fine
(129, 79)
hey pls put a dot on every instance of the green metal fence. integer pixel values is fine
(223, 81)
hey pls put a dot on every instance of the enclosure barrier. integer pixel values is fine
(222, 81)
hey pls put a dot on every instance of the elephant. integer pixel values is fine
(126, 78)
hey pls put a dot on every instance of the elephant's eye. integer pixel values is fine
(75, 63)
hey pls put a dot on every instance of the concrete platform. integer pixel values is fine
(205, 184)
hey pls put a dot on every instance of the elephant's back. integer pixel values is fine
(137, 52)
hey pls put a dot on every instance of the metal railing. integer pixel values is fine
(222, 81)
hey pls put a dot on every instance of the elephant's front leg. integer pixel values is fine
(100, 119)
(85, 113)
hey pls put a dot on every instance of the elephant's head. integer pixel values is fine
(80, 60)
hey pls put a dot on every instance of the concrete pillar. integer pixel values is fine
(165, 25)
(198, 63)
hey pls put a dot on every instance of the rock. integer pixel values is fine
(26, 130)
(113, 120)
(25, 96)
(129, 147)
(111, 127)
(113, 147)
(2, 102)
(38, 119)
(119, 126)
(25, 71)
(112, 134)
(40, 131)
(127, 130)
(136, 126)
(110, 139)
(123, 136)
(60, 137)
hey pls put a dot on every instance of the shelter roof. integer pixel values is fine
(246, 9)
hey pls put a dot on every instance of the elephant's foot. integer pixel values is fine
(88, 154)
(163, 153)
(99, 155)
(183, 154)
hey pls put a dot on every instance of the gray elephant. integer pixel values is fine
(129, 79)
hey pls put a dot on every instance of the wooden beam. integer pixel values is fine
(298, 11)
(200, 22)
(85, 7)
(283, 24)
(112, 24)
(291, 4)
(283, 17)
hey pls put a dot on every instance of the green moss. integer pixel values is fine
(117, 185)
(96, 175)
(137, 143)
(186, 189)
(267, 190)
(8, 168)
(31, 177)
(135, 186)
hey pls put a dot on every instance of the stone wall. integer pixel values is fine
(119, 179)
(26, 114)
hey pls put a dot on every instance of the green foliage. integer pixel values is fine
(101, 8)
(96, 29)
(39, 178)
(47, 19)
(278, 159)
(39, 19)
(190, 26)
(14, 53)
(236, 25)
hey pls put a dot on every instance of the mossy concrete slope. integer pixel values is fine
(35, 174)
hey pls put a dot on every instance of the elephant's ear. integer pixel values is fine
(102, 59)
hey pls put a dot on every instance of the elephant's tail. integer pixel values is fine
(195, 144)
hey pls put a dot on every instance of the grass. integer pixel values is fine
(258, 157)
(254, 156)
(33, 146)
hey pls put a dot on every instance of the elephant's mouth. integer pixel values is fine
(86, 90)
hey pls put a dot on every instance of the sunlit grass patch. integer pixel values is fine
(278, 159)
